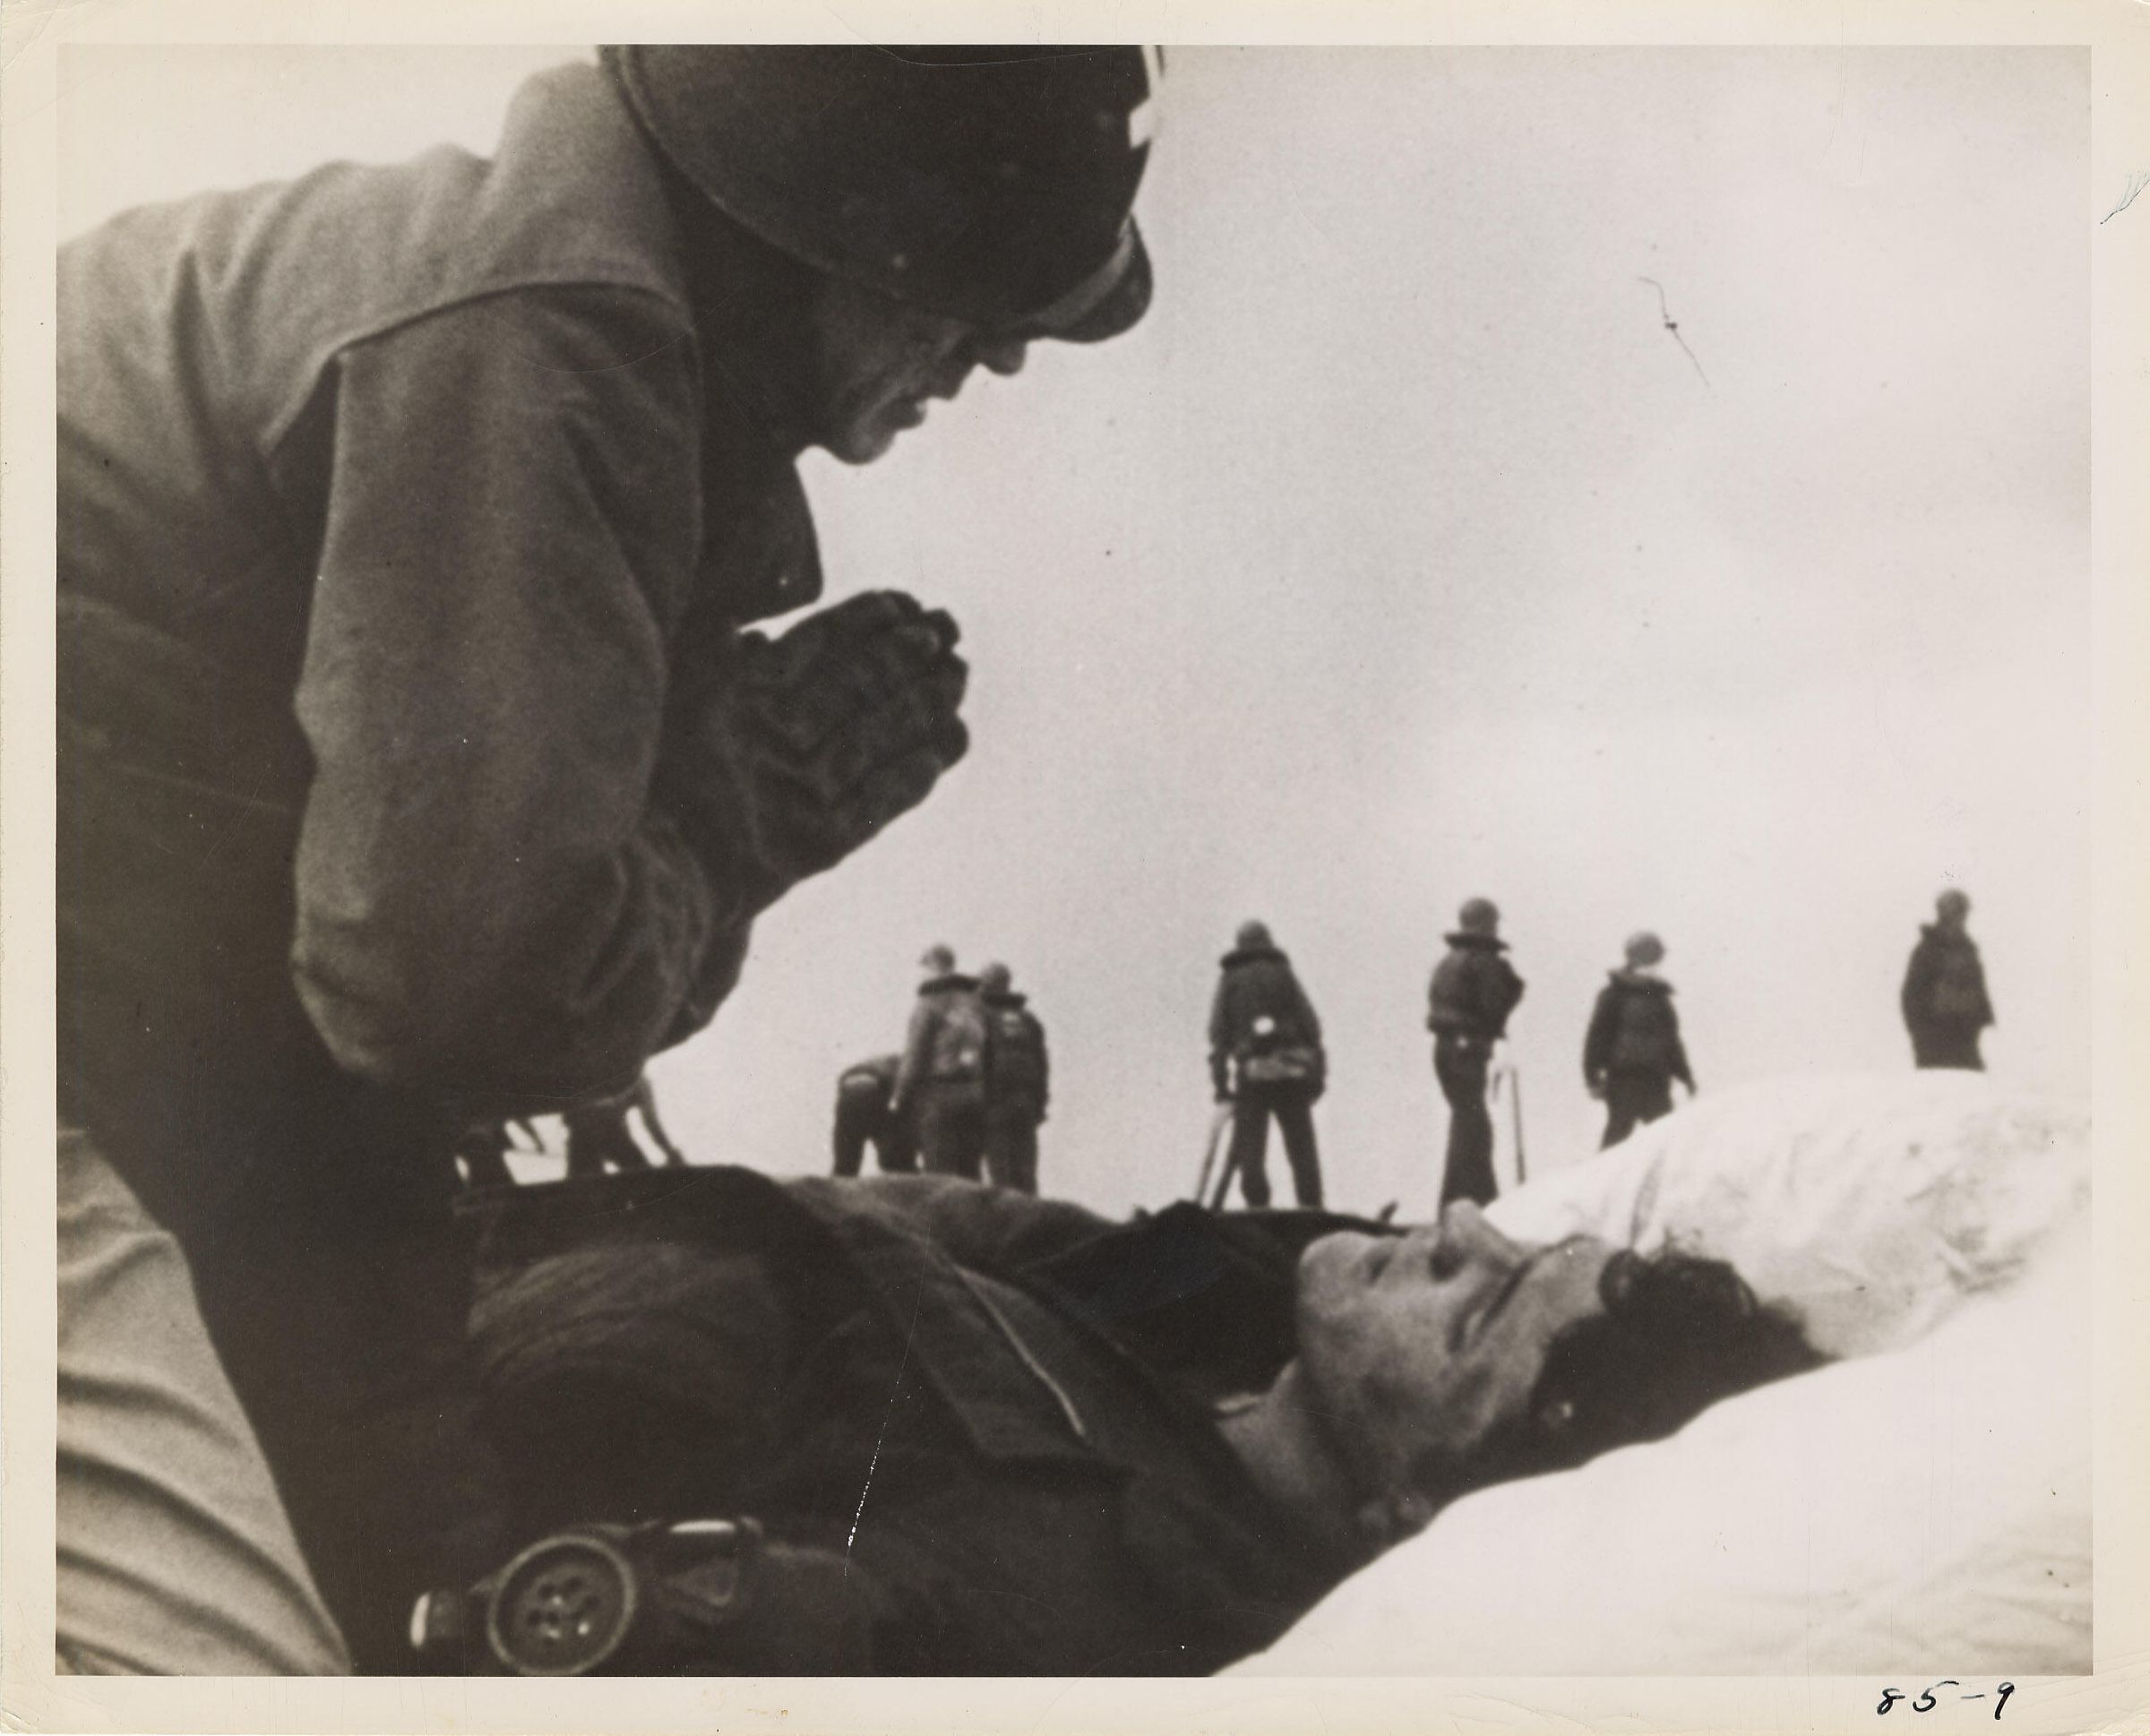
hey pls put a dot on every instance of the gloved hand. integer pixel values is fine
(803, 748)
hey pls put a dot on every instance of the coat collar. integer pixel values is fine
(576, 188)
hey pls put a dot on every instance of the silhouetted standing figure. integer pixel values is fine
(941, 1085)
(1945, 1004)
(866, 1113)
(1633, 1051)
(1474, 990)
(1017, 1082)
(1266, 1060)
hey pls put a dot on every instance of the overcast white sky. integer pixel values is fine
(1401, 555)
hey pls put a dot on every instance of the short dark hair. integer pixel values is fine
(1678, 1333)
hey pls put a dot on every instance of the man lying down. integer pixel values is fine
(914, 1425)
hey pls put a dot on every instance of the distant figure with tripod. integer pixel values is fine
(1266, 1060)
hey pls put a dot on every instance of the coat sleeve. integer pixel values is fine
(487, 900)
(917, 1049)
(1501, 991)
(1676, 1061)
(1220, 1036)
(1598, 1041)
(1304, 1008)
(1918, 983)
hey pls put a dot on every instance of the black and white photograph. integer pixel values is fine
(1045, 859)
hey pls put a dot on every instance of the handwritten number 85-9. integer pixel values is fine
(1926, 1701)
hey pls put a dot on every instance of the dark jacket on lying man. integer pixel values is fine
(994, 1410)
(981, 1432)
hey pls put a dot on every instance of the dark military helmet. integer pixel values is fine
(995, 979)
(1251, 935)
(993, 185)
(1645, 948)
(1479, 916)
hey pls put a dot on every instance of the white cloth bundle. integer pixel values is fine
(1923, 1506)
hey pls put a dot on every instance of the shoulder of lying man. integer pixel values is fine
(991, 1229)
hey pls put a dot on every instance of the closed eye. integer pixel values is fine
(1483, 1317)
(1468, 1324)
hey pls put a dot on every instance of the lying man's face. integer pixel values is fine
(1422, 1349)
